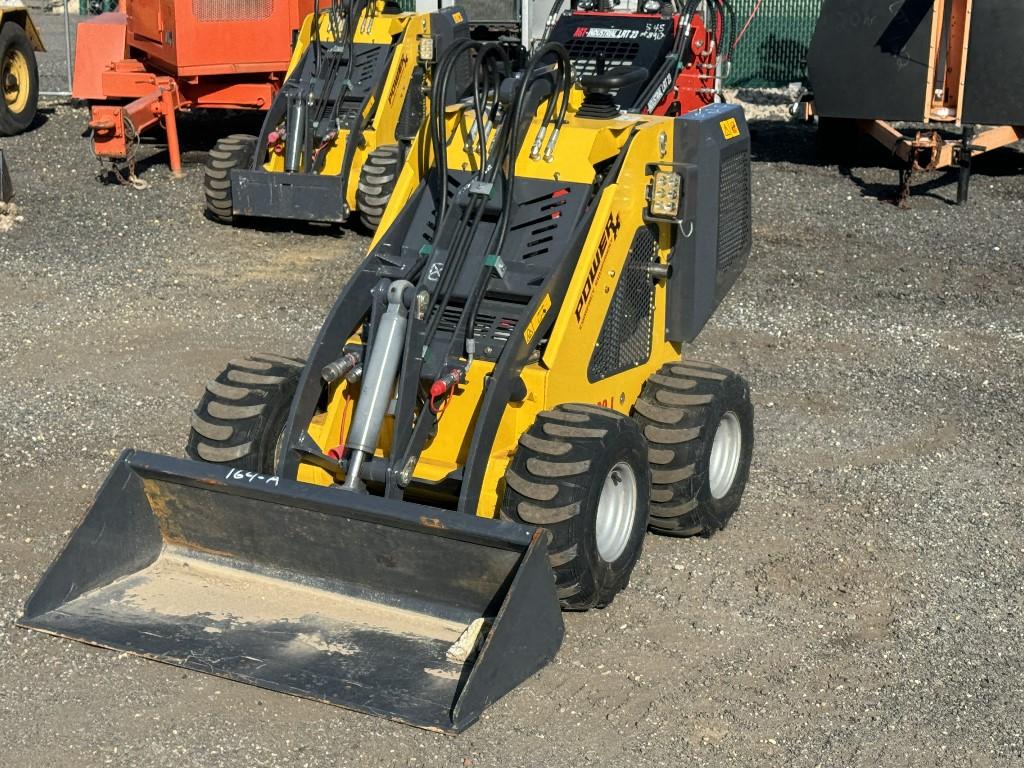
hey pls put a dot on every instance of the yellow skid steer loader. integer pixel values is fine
(335, 137)
(494, 413)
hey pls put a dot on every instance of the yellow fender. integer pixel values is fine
(18, 14)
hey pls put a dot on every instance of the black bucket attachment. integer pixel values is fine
(399, 610)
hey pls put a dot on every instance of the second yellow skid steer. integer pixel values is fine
(335, 137)
(492, 416)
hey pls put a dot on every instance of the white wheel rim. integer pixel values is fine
(616, 511)
(725, 455)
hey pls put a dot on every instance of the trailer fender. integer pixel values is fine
(102, 41)
(20, 17)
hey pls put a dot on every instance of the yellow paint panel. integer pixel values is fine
(538, 317)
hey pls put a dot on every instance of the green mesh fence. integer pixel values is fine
(96, 6)
(773, 52)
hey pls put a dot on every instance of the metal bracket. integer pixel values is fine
(494, 260)
(481, 188)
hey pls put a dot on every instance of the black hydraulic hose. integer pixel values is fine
(352, 10)
(479, 99)
(490, 80)
(723, 35)
(513, 120)
(501, 160)
(684, 36)
(556, 11)
(438, 99)
(728, 32)
(497, 240)
(314, 35)
(503, 156)
(453, 266)
(563, 59)
(466, 229)
(711, 22)
(473, 212)
(437, 133)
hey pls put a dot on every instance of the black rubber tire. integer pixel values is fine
(13, 39)
(376, 183)
(555, 481)
(242, 413)
(679, 411)
(235, 151)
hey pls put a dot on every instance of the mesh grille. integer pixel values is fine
(625, 339)
(773, 52)
(734, 219)
(231, 10)
(585, 54)
(491, 10)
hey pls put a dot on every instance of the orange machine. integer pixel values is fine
(141, 65)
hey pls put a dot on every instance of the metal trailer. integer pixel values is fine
(952, 66)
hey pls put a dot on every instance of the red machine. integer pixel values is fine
(696, 82)
(678, 45)
(141, 65)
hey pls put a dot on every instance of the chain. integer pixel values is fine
(132, 142)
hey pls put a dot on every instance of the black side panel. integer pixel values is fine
(869, 59)
(543, 216)
(994, 88)
(411, 117)
(713, 143)
(96, 555)
(335, 96)
(735, 224)
(533, 636)
(298, 196)
(448, 26)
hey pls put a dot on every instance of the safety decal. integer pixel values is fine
(730, 128)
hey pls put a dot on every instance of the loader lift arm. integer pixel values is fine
(472, 219)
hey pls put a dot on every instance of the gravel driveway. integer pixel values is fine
(864, 609)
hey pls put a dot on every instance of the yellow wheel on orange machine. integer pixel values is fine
(19, 80)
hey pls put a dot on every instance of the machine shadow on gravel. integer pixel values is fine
(775, 141)
(198, 132)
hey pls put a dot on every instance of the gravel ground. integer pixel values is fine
(53, 68)
(864, 608)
